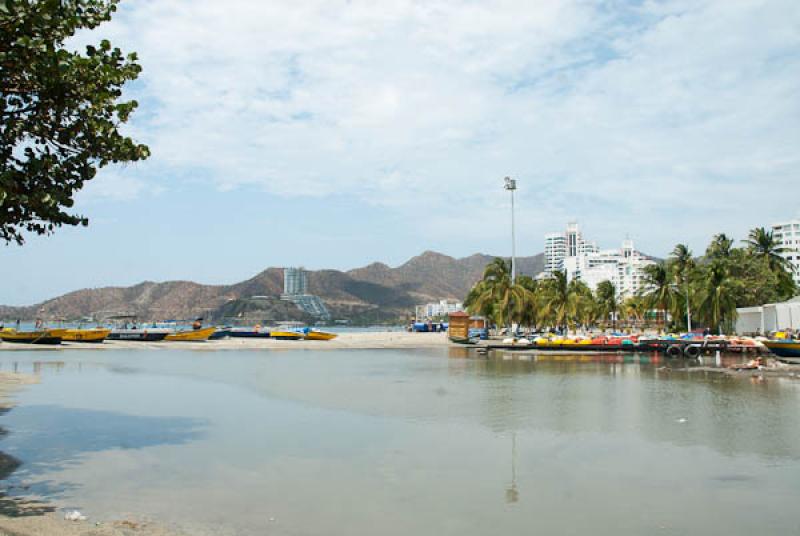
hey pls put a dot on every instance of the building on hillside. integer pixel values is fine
(438, 309)
(584, 261)
(295, 281)
(770, 317)
(787, 234)
(295, 290)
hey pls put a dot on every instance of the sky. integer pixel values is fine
(331, 134)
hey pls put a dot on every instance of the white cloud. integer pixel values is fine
(415, 104)
(118, 185)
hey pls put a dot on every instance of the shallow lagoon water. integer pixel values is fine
(403, 442)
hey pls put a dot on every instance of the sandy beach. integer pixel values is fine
(353, 341)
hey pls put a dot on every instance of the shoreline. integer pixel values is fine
(349, 341)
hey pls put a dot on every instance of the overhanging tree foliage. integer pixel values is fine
(61, 111)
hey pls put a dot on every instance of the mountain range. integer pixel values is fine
(373, 293)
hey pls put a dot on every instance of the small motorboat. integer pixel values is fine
(220, 333)
(93, 335)
(786, 350)
(286, 335)
(317, 335)
(48, 336)
(191, 335)
(140, 335)
(254, 332)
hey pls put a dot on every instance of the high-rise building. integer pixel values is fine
(295, 281)
(573, 239)
(555, 251)
(295, 290)
(584, 261)
(787, 234)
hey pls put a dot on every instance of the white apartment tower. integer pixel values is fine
(787, 234)
(555, 250)
(582, 260)
(295, 281)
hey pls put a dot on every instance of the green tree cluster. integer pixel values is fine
(710, 287)
(60, 111)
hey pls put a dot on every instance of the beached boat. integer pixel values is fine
(191, 335)
(249, 333)
(317, 335)
(220, 333)
(286, 335)
(31, 337)
(94, 335)
(786, 350)
(141, 335)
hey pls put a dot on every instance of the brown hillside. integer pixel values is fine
(375, 291)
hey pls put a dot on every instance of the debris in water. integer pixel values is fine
(682, 420)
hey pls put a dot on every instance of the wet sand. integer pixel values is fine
(54, 524)
(21, 517)
(364, 340)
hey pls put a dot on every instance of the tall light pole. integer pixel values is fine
(688, 310)
(511, 186)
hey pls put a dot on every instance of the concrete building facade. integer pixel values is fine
(582, 260)
(787, 234)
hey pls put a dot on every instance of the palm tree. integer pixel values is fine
(529, 313)
(659, 288)
(635, 307)
(720, 247)
(607, 302)
(565, 303)
(762, 244)
(716, 296)
(682, 265)
(496, 297)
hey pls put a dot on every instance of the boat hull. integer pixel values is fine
(250, 334)
(220, 334)
(319, 336)
(142, 335)
(285, 335)
(85, 335)
(191, 335)
(31, 337)
(785, 350)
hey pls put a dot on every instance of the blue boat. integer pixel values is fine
(221, 333)
(786, 350)
(250, 333)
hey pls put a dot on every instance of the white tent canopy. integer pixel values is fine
(769, 317)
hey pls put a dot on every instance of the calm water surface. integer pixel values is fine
(403, 442)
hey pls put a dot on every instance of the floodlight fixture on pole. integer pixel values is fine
(511, 186)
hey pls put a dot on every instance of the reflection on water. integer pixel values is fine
(420, 442)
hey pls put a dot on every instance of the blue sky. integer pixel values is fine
(331, 134)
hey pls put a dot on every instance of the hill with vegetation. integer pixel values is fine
(373, 293)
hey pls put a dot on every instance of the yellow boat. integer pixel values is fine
(191, 335)
(31, 337)
(314, 335)
(285, 335)
(85, 335)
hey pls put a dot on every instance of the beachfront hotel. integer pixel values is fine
(439, 309)
(787, 234)
(583, 260)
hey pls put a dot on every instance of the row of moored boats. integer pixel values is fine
(155, 334)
